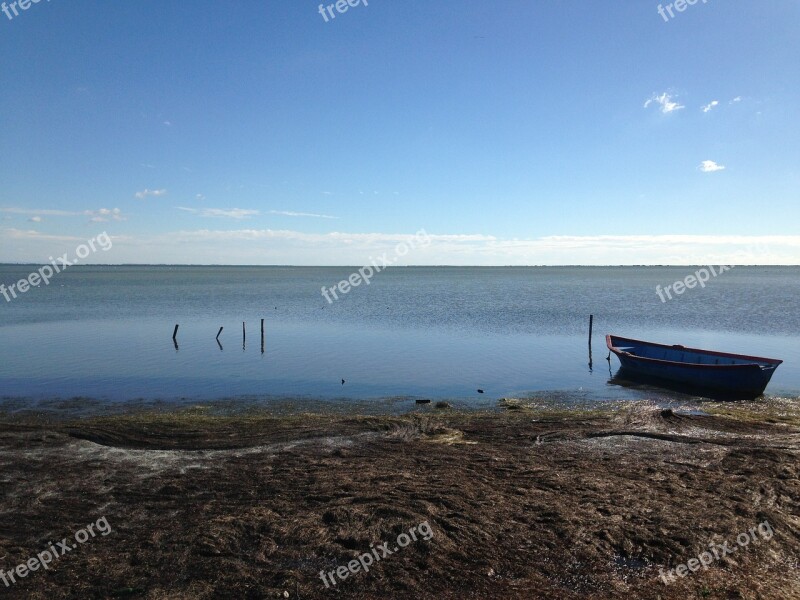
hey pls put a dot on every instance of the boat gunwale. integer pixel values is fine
(772, 363)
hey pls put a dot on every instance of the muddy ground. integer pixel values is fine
(523, 502)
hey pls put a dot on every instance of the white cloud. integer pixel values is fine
(31, 246)
(288, 213)
(99, 215)
(666, 101)
(286, 247)
(332, 238)
(229, 213)
(39, 211)
(105, 214)
(32, 234)
(145, 193)
(709, 166)
(737, 99)
(710, 105)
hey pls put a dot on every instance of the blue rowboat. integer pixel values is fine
(724, 375)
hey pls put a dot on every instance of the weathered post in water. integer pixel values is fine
(262, 336)
(243, 335)
(591, 325)
(175, 333)
(219, 332)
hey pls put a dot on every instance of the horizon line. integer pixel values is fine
(23, 264)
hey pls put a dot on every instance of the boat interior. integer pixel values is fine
(680, 354)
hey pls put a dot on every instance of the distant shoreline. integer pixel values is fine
(631, 266)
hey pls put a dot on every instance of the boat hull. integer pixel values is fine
(707, 372)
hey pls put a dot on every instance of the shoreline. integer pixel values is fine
(523, 501)
(573, 401)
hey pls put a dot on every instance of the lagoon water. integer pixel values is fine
(432, 332)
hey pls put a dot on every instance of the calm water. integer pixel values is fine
(105, 332)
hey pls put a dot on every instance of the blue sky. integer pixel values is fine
(513, 132)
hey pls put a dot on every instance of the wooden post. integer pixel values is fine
(219, 332)
(262, 336)
(175, 333)
(243, 334)
(591, 324)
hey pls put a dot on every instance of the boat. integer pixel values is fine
(705, 372)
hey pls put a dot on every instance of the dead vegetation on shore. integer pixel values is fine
(531, 502)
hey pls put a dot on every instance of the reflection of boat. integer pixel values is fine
(722, 374)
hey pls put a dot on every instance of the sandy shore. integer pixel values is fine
(526, 502)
